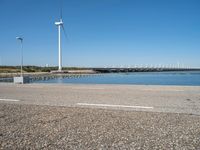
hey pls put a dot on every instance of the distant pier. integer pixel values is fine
(141, 69)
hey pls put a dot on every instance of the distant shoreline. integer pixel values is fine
(11, 73)
(40, 74)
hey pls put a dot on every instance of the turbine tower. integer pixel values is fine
(59, 24)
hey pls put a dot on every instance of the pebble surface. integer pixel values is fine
(53, 127)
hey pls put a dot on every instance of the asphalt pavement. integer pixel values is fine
(51, 116)
(174, 99)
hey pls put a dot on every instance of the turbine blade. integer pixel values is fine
(65, 34)
(61, 9)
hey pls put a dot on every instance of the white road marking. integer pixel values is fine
(87, 88)
(164, 90)
(10, 100)
(107, 105)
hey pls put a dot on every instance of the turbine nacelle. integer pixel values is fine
(59, 23)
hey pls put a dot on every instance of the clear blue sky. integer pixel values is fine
(102, 32)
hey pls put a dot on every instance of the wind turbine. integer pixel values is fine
(60, 25)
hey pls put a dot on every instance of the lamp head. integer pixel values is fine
(19, 38)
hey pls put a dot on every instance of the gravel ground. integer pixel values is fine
(54, 127)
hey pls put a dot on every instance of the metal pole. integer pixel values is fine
(21, 42)
(21, 58)
(1, 64)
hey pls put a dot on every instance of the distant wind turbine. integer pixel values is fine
(60, 25)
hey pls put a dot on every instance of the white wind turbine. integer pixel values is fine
(59, 24)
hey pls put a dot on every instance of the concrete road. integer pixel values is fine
(66, 117)
(175, 99)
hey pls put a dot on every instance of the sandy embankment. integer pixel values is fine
(65, 72)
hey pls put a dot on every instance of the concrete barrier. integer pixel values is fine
(21, 80)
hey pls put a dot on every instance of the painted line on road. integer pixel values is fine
(162, 90)
(10, 100)
(107, 105)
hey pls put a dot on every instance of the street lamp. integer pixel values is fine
(21, 41)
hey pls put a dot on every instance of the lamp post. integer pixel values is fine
(21, 41)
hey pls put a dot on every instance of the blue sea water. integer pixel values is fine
(191, 78)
